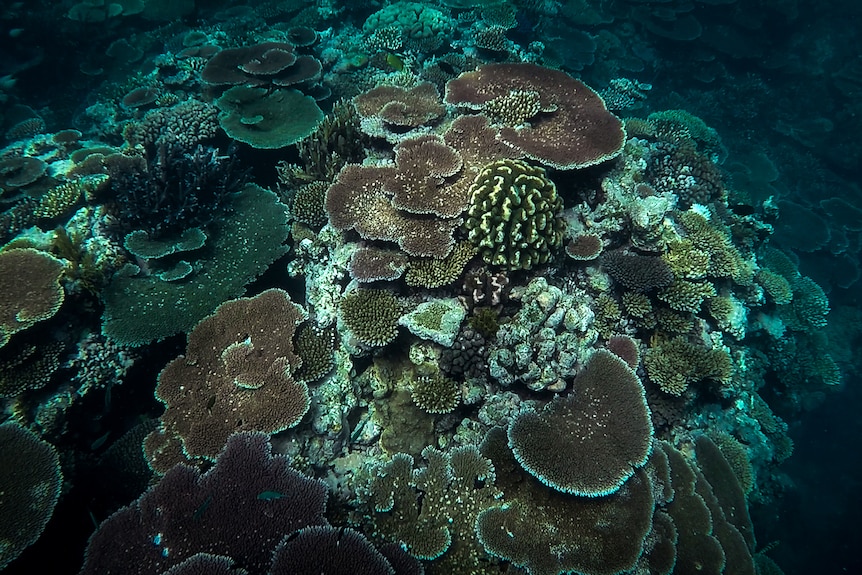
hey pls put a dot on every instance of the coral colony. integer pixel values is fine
(408, 287)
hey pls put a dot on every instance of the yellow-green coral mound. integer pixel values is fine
(513, 215)
(676, 363)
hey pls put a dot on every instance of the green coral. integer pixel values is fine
(438, 320)
(316, 346)
(371, 316)
(775, 285)
(486, 321)
(435, 393)
(685, 295)
(141, 245)
(267, 119)
(433, 272)
(143, 308)
(676, 363)
(422, 27)
(809, 307)
(513, 217)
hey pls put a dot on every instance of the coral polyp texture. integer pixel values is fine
(590, 441)
(571, 127)
(188, 512)
(236, 375)
(30, 289)
(30, 481)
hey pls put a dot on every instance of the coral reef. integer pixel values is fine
(513, 216)
(236, 375)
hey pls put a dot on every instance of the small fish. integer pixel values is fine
(93, 519)
(202, 509)
(270, 495)
(100, 441)
(395, 62)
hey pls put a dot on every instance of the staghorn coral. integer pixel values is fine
(600, 433)
(370, 316)
(30, 289)
(809, 306)
(30, 482)
(188, 512)
(676, 363)
(775, 286)
(513, 217)
(577, 131)
(236, 375)
(686, 296)
(432, 510)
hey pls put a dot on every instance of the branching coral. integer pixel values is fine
(371, 316)
(676, 363)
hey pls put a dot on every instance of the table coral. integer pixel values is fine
(591, 441)
(30, 289)
(30, 482)
(574, 128)
(236, 375)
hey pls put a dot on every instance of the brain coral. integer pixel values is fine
(513, 216)
(590, 441)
